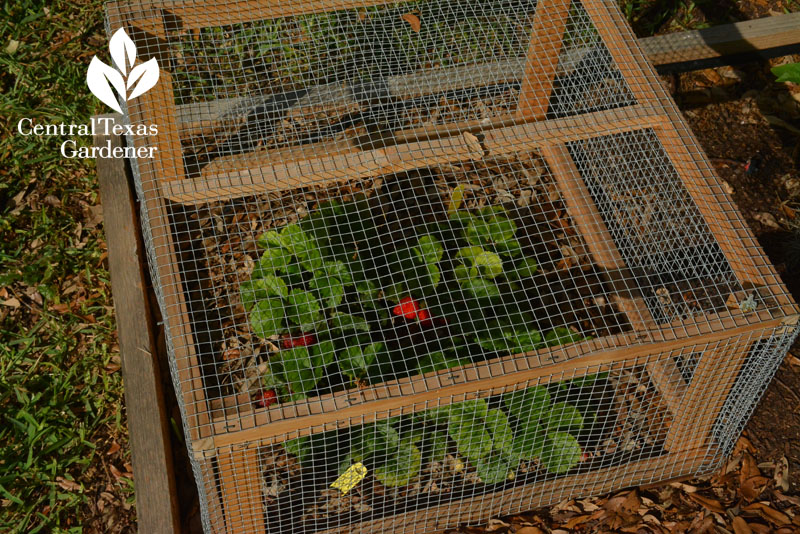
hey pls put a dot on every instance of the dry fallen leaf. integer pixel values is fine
(782, 473)
(413, 21)
(529, 530)
(11, 303)
(740, 526)
(623, 509)
(708, 503)
(68, 485)
(770, 514)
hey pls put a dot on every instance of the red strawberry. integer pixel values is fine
(585, 456)
(300, 341)
(264, 399)
(424, 318)
(408, 308)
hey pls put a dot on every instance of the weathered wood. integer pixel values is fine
(725, 40)
(597, 237)
(143, 110)
(670, 384)
(148, 422)
(260, 172)
(713, 380)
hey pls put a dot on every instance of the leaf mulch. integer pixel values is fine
(754, 492)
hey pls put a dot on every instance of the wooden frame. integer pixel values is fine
(228, 434)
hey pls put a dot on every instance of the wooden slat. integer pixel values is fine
(479, 509)
(598, 239)
(669, 381)
(711, 383)
(544, 49)
(725, 40)
(241, 489)
(411, 395)
(259, 172)
(158, 227)
(148, 425)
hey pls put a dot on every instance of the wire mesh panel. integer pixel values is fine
(357, 210)
(440, 464)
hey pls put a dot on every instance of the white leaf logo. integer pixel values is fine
(124, 77)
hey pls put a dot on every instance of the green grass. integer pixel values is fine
(60, 397)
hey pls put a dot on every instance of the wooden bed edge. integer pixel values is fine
(148, 420)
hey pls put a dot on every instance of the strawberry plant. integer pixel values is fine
(490, 436)
(347, 305)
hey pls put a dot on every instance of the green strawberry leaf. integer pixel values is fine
(529, 442)
(493, 469)
(340, 270)
(269, 239)
(480, 288)
(561, 336)
(301, 376)
(401, 467)
(355, 360)
(272, 261)
(267, 318)
(429, 250)
(563, 416)
(502, 435)
(344, 322)
(528, 405)
(303, 309)
(323, 354)
(561, 453)
(329, 288)
(470, 436)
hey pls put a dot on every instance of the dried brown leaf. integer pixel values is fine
(67, 485)
(740, 526)
(708, 503)
(113, 448)
(781, 476)
(530, 530)
(772, 515)
(623, 509)
(413, 21)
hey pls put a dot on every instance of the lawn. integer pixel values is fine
(63, 443)
(64, 457)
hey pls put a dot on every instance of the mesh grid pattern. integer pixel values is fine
(566, 435)
(358, 210)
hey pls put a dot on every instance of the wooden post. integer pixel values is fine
(241, 489)
(151, 450)
(547, 36)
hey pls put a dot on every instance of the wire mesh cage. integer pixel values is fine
(424, 262)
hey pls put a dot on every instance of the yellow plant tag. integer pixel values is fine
(350, 478)
(455, 199)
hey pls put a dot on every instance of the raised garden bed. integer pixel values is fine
(334, 274)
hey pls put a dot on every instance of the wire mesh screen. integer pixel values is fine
(510, 449)
(355, 207)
